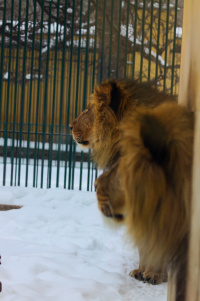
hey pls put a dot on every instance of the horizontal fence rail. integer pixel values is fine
(52, 54)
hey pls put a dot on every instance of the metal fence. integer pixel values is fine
(52, 54)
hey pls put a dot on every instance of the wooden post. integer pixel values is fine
(189, 95)
(171, 293)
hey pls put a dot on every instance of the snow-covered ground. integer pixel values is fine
(57, 247)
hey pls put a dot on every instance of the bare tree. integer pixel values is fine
(121, 28)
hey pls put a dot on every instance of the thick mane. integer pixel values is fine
(111, 101)
(157, 148)
(154, 136)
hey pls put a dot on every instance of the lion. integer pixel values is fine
(96, 127)
(154, 173)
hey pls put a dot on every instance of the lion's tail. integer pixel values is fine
(156, 171)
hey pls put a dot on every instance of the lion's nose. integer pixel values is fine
(70, 126)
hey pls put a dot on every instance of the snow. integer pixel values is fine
(179, 32)
(57, 247)
(83, 42)
(5, 75)
(160, 59)
(69, 10)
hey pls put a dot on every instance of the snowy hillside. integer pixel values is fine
(57, 248)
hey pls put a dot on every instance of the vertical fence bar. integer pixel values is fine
(2, 56)
(30, 97)
(103, 36)
(17, 146)
(77, 83)
(158, 41)
(127, 25)
(74, 165)
(81, 171)
(53, 105)
(22, 94)
(1, 69)
(142, 45)
(81, 160)
(7, 105)
(150, 41)
(86, 71)
(111, 29)
(92, 177)
(69, 98)
(78, 61)
(70, 162)
(174, 46)
(15, 97)
(38, 97)
(86, 58)
(135, 36)
(167, 26)
(45, 95)
(69, 95)
(61, 96)
(88, 175)
(95, 46)
(118, 42)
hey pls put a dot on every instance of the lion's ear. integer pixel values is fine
(109, 94)
(115, 97)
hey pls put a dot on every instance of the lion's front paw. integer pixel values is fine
(154, 278)
(137, 274)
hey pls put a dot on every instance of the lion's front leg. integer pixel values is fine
(138, 273)
(148, 273)
(110, 196)
(153, 276)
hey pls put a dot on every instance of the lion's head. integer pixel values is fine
(97, 126)
(82, 127)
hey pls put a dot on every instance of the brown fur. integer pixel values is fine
(97, 127)
(156, 178)
(155, 175)
(157, 185)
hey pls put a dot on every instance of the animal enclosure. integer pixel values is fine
(52, 54)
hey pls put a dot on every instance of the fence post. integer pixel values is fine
(189, 95)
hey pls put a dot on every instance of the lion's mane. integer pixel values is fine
(157, 150)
